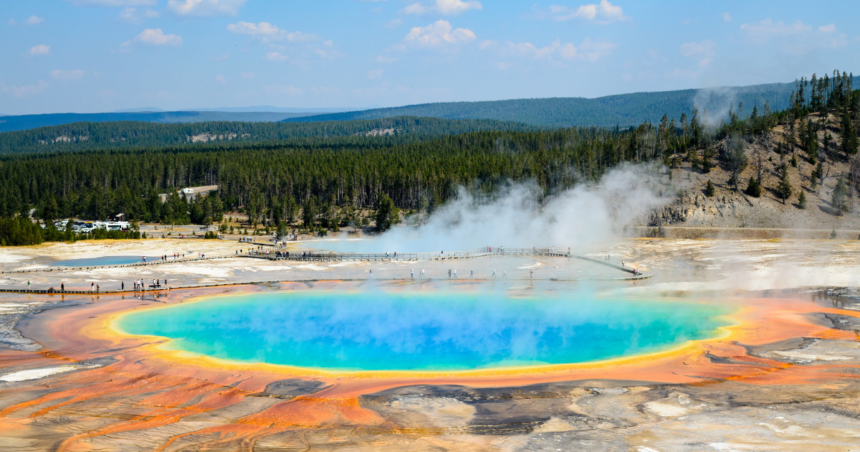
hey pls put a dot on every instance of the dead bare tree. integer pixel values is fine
(760, 151)
(824, 155)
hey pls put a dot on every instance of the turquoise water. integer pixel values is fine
(419, 331)
(105, 260)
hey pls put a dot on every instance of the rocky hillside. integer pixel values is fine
(729, 207)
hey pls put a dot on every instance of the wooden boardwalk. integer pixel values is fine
(441, 256)
(333, 257)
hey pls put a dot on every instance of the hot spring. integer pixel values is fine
(435, 331)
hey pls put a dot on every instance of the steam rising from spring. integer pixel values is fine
(583, 218)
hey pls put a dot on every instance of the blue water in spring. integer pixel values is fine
(434, 331)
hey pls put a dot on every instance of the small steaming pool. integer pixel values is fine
(104, 260)
(431, 332)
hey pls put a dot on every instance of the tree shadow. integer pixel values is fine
(829, 210)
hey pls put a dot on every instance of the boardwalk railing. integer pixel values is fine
(334, 256)
(441, 256)
(157, 261)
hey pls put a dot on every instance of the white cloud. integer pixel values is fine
(12, 22)
(40, 49)
(224, 57)
(375, 74)
(767, 29)
(276, 56)
(797, 38)
(416, 8)
(205, 7)
(594, 50)
(602, 13)
(135, 16)
(288, 90)
(29, 90)
(487, 44)
(155, 36)
(567, 51)
(249, 28)
(385, 59)
(437, 35)
(268, 32)
(248, 75)
(703, 50)
(221, 79)
(705, 47)
(67, 75)
(113, 2)
(727, 17)
(446, 7)
(34, 20)
(331, 54)
(393, 23)
(588, 50)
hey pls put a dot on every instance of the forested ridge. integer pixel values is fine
(623, 109)
(322, 182)
(131, 134)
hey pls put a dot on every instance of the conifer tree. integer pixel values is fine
(387, 214)
(840, 195)
(784, 185)
(849, 135)
(753, 187)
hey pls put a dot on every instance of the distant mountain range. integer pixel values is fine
(25, 122)
(252, 109)
(623, 109)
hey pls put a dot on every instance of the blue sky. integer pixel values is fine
(105, 55)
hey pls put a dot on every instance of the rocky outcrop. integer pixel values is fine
(675, 213)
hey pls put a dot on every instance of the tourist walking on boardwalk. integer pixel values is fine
(504, 273)
(531, 274)
(122, 286)
(92, 287)
(455, 274)
(371, 274)
(471, 274)
(494, 273)
(412, 273)
(28, 285)
(449, 273)
(63, 287)
(422, 273)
